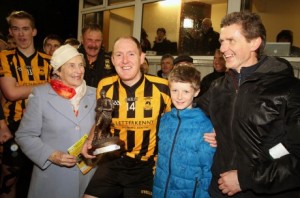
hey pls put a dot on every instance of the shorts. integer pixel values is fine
(17, 166)
(12, 154)
(122, 177)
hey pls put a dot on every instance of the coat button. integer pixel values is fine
(77, 128)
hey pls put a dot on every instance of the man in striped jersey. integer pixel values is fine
(139, 102)
(21, 69)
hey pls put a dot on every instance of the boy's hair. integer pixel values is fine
(186, 74)
(21, 15)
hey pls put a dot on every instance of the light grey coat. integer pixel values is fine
(50, 124)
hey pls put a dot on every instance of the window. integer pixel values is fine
(278, 15)
(114, 2)
(94, 17)
(117, 17)
(91, 3)
(172, 15)
(114, 23)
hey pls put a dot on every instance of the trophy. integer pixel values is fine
(103, 142)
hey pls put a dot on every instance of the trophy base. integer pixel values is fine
(106, 149)
(105, 145)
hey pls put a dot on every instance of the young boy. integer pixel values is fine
(184, 158)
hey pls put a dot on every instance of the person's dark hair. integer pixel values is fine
(9, 37)
(2, 37)
(146, 60)
(72, 41)
(183, 58)
(285, 35)
(161, 30)
(186, 74)
(167, 56)
(91, 26)
(130, 38)
(144, 34)
(20, 15)
(252, 26)
(53, 37)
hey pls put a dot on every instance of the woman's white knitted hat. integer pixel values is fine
(62, 55)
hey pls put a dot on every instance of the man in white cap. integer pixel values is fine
(22, 69)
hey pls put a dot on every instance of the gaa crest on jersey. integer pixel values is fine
(107, 64)
(148, 103)
(116, 102)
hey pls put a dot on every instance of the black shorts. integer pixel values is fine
(122, 177)
(12, 154)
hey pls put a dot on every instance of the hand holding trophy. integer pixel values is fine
(103, 142)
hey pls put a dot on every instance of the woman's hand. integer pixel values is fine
(62, 159)
(210, 138)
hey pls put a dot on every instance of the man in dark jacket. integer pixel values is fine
(208, 39)
(219, 71)
(255, 110)
(98, 63)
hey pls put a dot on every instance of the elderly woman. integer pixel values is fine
(57, 116)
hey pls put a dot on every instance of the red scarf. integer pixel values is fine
(61, 89)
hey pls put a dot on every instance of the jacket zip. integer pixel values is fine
(195, 187)
(236, 87)
(239, 79)
(170, 160)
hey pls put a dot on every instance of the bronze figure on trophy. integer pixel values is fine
(103, 142)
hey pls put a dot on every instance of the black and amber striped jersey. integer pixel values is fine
(31, 70)
(137, 111)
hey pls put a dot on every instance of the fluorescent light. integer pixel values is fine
(170, 2)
